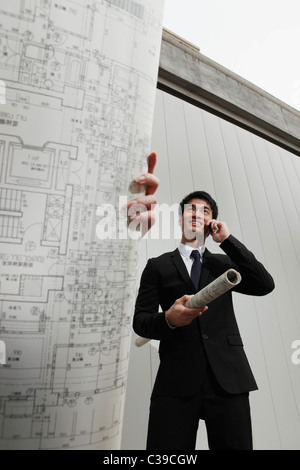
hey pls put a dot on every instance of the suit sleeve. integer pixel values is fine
(148, 322)
(255, 278)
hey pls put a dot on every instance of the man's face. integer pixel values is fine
(195, 219)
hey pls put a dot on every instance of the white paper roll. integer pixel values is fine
(139, 342)
(215, 289)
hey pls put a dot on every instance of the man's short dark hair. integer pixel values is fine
(200, 195)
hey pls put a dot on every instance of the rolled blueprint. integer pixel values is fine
(215, 289)
(139, 342)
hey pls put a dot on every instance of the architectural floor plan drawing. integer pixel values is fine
(80, 86)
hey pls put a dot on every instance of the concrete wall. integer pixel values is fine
(190, 75)
(257, 186)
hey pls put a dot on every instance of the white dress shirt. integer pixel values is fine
(185, 252)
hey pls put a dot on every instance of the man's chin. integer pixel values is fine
(197, 231)
(192, 235)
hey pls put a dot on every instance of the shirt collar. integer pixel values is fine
(186, 250)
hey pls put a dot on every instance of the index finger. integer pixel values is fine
(195, 311)
(151, 162)
(150, 189)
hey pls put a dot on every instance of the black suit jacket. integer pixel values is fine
(164, 280)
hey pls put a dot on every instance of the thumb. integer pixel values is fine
(185, 298)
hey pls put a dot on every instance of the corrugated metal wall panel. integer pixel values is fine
(257, 186)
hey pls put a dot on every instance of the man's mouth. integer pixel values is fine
(197, 223)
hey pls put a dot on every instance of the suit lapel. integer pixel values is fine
(206, 277)
(181, 268)
(207, 262)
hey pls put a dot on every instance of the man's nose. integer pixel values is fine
(199, 211)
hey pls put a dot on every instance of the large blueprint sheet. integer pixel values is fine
(80, 80)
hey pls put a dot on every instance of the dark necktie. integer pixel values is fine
(196, 268)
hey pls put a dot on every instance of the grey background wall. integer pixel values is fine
(257, 186)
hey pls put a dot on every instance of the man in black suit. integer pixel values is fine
(204, 372)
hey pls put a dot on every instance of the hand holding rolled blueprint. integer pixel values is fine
(215, 289)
